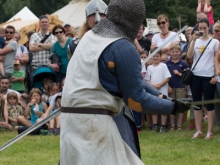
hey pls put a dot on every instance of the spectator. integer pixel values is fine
(14, 110)
(143, 41)
(60, 48)
(202, 79)
(149, 35)
(158, 76)
(143, 54)
(165, 34)
(68, 28)
(2, 32)
(2, 45)
(54, 88)
(22, 52)
(217, 108)
(204, 6)
(7, 54)
(176, 87)
(2, 37)
(70, 35)
(5, 84)
(3, 113)
(29, 34)
(35, 109)
(41, 42)
(199, 16)
(18, 76)
(164, 58)
(45, 90)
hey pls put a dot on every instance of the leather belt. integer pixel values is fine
(99, 111)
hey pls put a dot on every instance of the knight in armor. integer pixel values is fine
(103, 74)
(125, 120)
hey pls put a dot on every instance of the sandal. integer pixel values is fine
(179, 129)
(171, 128)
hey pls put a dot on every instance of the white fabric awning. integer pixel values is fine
(73, 13)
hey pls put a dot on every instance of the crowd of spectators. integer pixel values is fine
(21, 108)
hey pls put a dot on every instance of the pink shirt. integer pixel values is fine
(209, 15)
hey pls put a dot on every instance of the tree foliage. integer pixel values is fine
(39, 7)
(185, 9)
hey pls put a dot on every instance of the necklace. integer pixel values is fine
(164, 34)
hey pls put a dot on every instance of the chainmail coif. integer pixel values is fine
(124, 18)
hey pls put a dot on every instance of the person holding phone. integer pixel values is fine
(203, 80)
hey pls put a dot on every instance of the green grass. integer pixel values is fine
(171, 148)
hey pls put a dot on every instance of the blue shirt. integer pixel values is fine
(175, 81)
(2, 42)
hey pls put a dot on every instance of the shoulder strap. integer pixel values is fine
(22, 48)
(45, 38)
(201, 54)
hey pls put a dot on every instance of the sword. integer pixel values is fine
(32, 128)
(199, 102)
(163, 45)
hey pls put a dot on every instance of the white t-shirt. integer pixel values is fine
(20, 51)
(159, 41)
(156, 74)
(205, 66)
(52, 99)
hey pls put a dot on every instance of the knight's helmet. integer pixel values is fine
(96, 7)
(124, 18)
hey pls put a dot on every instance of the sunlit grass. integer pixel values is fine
(171, 148)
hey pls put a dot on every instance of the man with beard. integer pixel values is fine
(103, 74)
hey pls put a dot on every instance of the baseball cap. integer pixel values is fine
(66, 24)
(17, 62)
(149, 33)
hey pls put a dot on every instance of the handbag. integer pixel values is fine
(55, 59)
(187, 74)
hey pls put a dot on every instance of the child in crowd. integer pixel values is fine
(158, 76)
(143, 54)
(204, 6)
(34, 110)
(164, 58)
(176, 88)
(18, 76)
(14, 110)
(2, 45)
(54, 88)
(45, 89)
(54, 103)
(3, 113)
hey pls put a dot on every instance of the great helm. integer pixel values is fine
(124, 18)
(96, 7)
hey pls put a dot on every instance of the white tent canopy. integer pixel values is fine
(25, 14)
(73, 13)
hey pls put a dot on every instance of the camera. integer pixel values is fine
(201, 33)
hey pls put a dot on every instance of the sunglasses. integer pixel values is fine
(8, 32)
(58, 32)
(217, 31)
(159, 23)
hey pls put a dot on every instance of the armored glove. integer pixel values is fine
(181, 105)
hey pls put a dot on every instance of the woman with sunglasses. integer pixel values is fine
(159, 38)
(60, 48)
(216, 35)
(203, 80)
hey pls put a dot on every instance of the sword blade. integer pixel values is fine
(163, 45)
(205, 102)
(32, 128)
